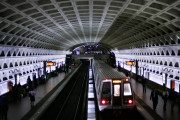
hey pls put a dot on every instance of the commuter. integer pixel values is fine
(35, 81)
(165, 97)
(0, 110)
(3, 108)
(119, 68)
(172, 97)
(32, 94)
(43, 80)
(144, 84)
(127, 74)
(20, 91)
(26, 89)
(178, 100)
(15, 93)
(65, 71)
(24, 92)
(10, 85)
(29, 83)
(154, 97)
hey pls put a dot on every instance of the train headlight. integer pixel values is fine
(130, 101)
(103, 102)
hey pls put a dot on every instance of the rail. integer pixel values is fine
(68, 105)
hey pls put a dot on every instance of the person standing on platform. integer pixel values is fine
(35, 81)
(32, 94)
(3, 108)
(29, 83)
(178, 101)
(165, 97)
(65, 71)
(127, 74)
(154, 97)
(172, 97)
(144, 84)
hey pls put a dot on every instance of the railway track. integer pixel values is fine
(121, 115)
(71, 102)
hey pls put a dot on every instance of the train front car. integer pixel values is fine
(113, 88)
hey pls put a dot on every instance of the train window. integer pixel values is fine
(127, 89)
(117, 90)
(106, 89)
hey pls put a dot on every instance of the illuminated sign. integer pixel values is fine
(130, 62)
(51, 63)
(116, 81)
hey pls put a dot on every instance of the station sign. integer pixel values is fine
(130, 62)
(50, 63)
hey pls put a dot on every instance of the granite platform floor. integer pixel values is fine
(18, 109)
(166, 115)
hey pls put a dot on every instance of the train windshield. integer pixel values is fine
(127, 89)
(106, 89)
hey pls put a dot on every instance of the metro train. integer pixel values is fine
(113, 88)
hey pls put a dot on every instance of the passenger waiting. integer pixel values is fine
(32, 97)
(165, 97)
(154, 97)
(172, 97)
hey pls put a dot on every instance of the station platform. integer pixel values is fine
(145, 97)
(18, 109)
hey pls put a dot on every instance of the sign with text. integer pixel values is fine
(130, 62)
(51, 63)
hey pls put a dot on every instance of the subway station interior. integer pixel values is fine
(50, 43)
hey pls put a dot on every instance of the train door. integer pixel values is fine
(116, 86)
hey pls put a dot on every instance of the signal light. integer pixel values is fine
(127, 79)
(103, 102)
(130, 101)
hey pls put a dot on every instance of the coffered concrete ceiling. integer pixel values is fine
(62, 24)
